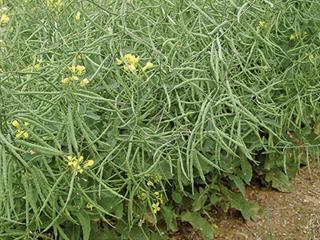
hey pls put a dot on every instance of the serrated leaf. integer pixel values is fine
(199, 223)
(199, 200)
(137, 233)
(249, 210)
(239, 183)
(169, 217)
(177, 197)
(279, 180)
(246, 169)
(84, 220)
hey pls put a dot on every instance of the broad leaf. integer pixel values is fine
(199, 223)
(279, 180)
(249, 210)
(84, 220)
(169, 217)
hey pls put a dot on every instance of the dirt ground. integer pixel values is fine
(286, 216)
(294, 216)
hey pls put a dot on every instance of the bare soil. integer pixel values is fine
(294, 216)
(286, 216)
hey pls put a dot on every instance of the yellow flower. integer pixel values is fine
(156, 194)
(156, 207)
(263, 24)
(89, 206)
(130, 67)
(293, 36)
(131, 59)
(65, 81)
(74, 164)
(22, 134)
(74, 78)
(143, 196)
(84, 82)
(25, 135)
(88, 163)
(15, 123)
(148, 66)
(4, 20)
(81, 158)
(36, 67)
(78, 70)
(77, 164)
(118, 61)
(54, 4)
(150, 184)
(78, 16)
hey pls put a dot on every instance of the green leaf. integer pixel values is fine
(177, 197)
(246, 169)
(214, 199)
(279, 180)
(199, 223)
(102, 233)
(84, 220)
(249, 210)
(239, 183)
(169, 217)
(199, 200)
(138, 233)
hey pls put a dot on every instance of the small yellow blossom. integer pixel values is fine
(4, 20)
(156, 207)
(54, 4)
(88, 163)
(78, 70)
(150, 184)
(130, 67)
(263, 24)
(74, 78)
(89, 206)
(148, 66)
(118, 61)
(132, 59)
(15, 123)
(21, 134)
(65, 81)
(36, 67)
(143, 196)
(77, 164)
(78, 16)
(84, 82)
(293, 36)
(156, 194)
(74, 164)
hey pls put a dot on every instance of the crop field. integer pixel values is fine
(125, 119)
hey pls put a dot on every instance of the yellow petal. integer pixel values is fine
(88, 163)
(4, 19)
(15, 123)
(84, 82)
(118, 61)
(78, 16)
(293, 36)
(80, 70)
(25, 135)
(148, 66)
(65, 81)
